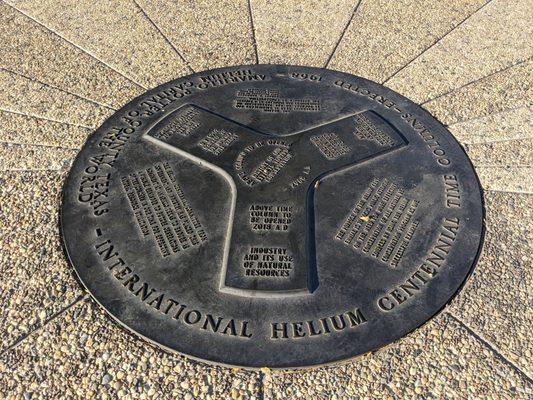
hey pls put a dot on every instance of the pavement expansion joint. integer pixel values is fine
(179, 54)
(475, 81)
(79, 47)
(252, 30)
(492, 347)
(341, 36)
(435, 43)
(58, 88)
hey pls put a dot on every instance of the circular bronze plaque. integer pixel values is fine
(272, 215)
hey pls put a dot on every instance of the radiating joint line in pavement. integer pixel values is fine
(58, 88)
(391, 392)
(507, 191)
(435, 43)
(60, 171)
(182, 58)
(501, 165)
(41, 326)
(75, 45)
(476, 80)
(491, 141)
(46, 118)
(343, 32)
(261, 391)
(32, 169)
(496, 353)
(252, 28)
(507, 110)
(48, 146)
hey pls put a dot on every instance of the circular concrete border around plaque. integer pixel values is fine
(272, 216)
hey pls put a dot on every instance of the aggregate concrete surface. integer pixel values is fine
(66, 66)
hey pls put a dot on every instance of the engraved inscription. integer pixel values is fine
(163, 98)
(183, 123)
(410, 119)
(266, 170)
(426, 271)
(429, 138)
(116, 138)
(273, 262)
(161, 209)
(305, 76)
(366, 130)
(94, 189)
(330, 145)
(239, 204)
(317, 327)
(217, 141)
(229, 77)
(301, 178)
(269, 217)
(161, 302)
(269, 167)
(381, 223)
(452, 191)
(94, 185)
(269, 100)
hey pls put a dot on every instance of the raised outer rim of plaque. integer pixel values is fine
(338, 362)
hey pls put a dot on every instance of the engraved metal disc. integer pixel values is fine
(274, 216)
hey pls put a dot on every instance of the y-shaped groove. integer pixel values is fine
(304, 280)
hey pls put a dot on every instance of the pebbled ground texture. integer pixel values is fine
(67, 65)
